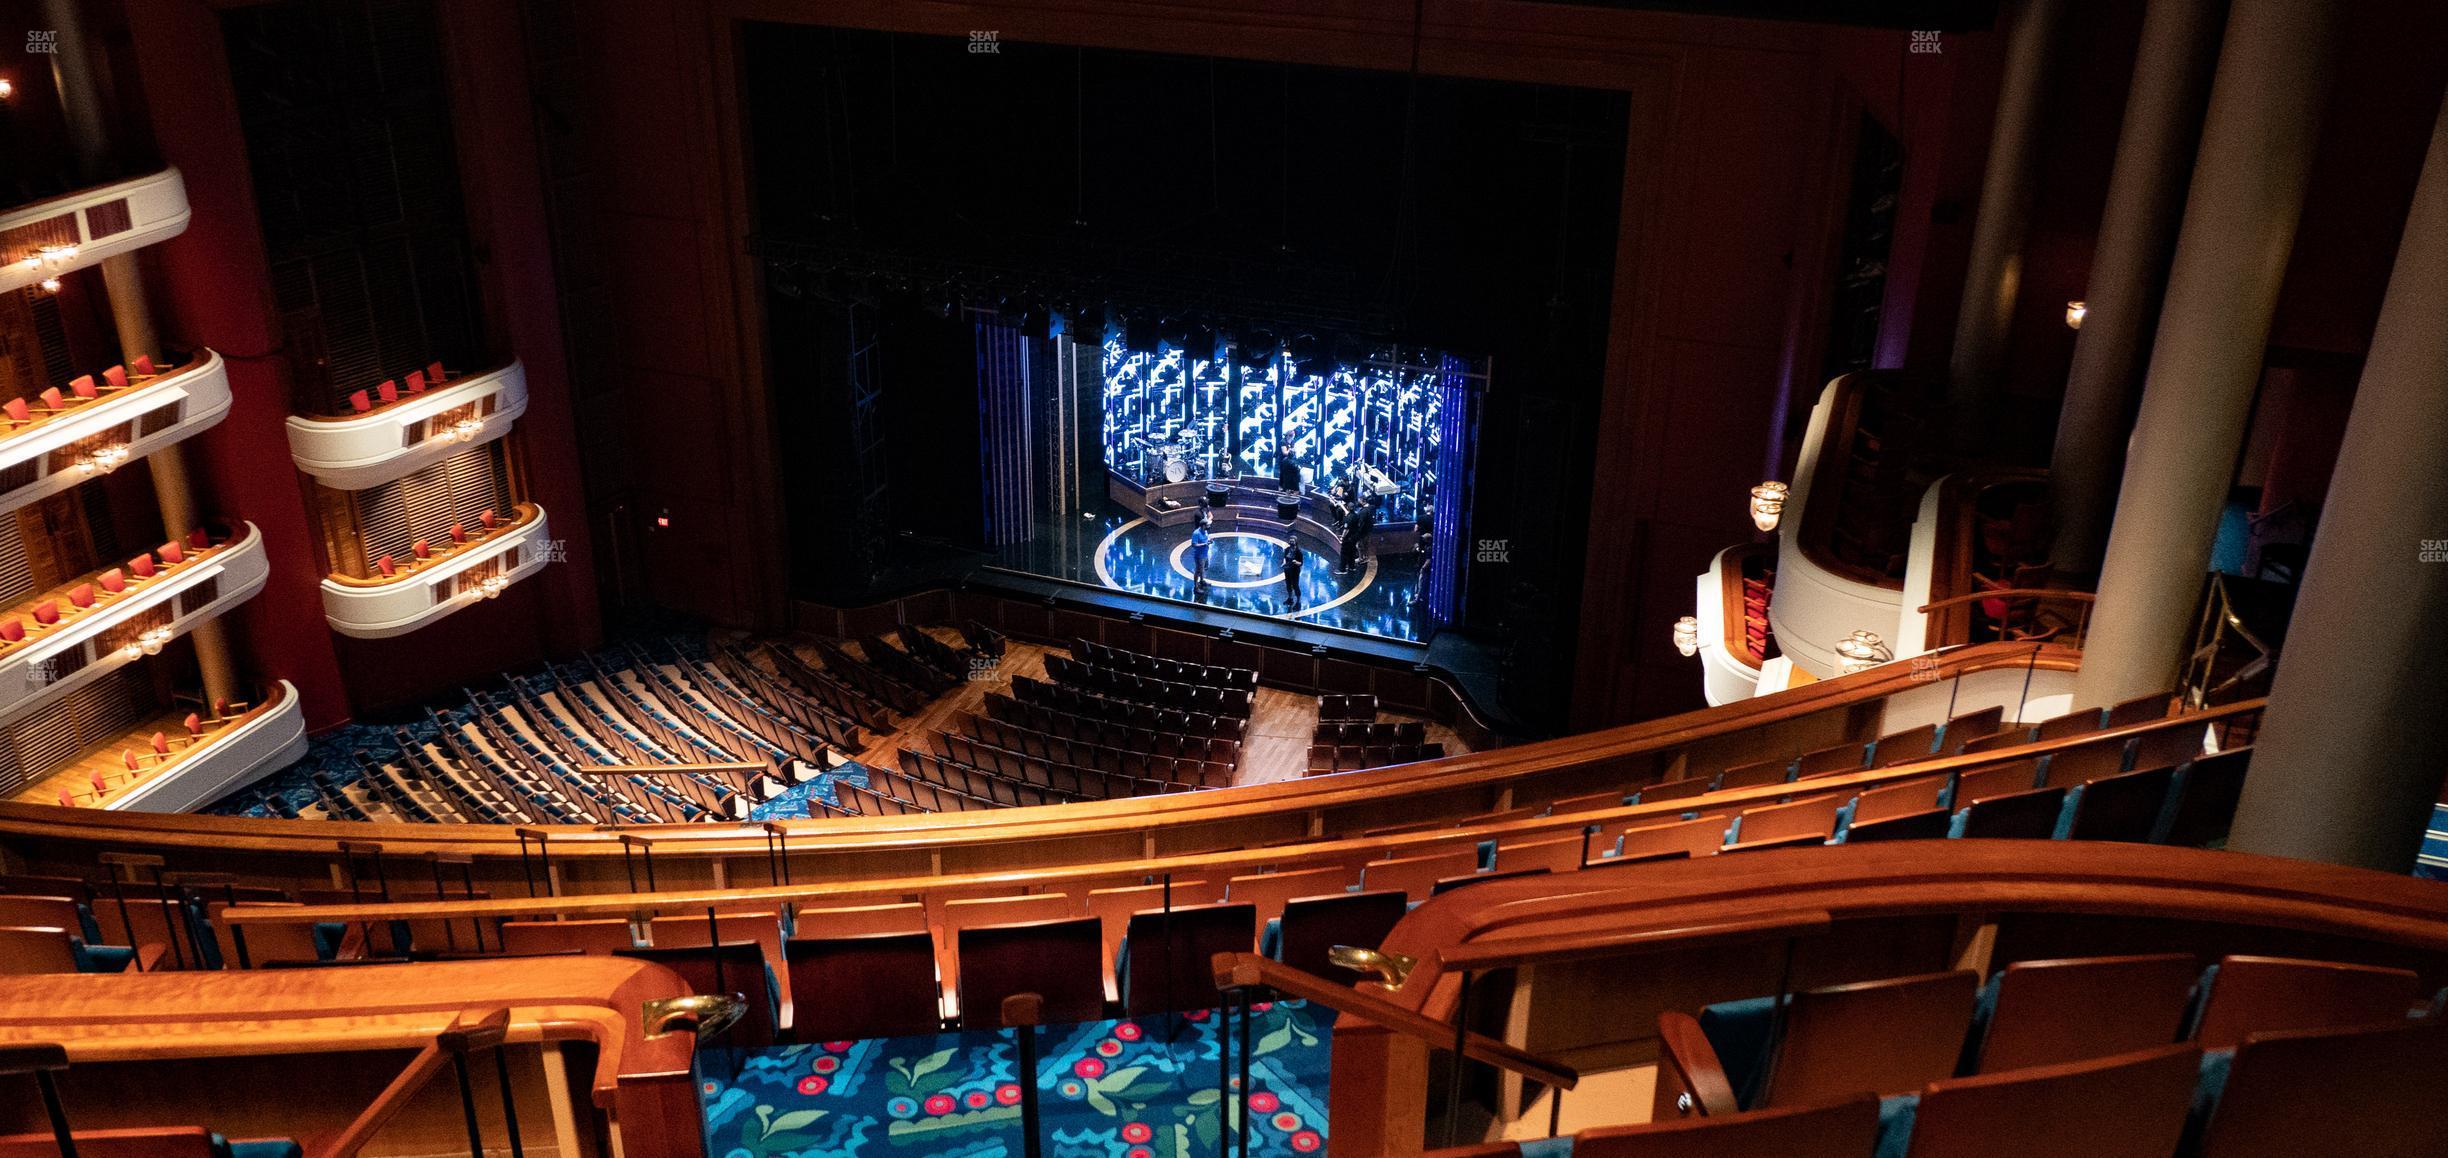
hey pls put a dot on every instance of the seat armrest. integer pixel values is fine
(1691, 1081)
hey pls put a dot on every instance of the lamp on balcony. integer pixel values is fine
(2074, 314)
(1861, 651)
(1687, 635)
(493, 586)
(1768, 505)
(50, 285)
(103, 460)
(466, 429)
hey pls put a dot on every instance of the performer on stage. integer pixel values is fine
(1198, 553)
(1292, 577)
(1288, 476)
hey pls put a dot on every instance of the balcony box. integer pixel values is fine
(271, 736)
(81, 228)
(86, 644)
(449, 582)
(42, 458)
(357, 451)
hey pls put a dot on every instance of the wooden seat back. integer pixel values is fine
(1416, 876)
(2051, 1012)
(731, 969)
(2131, 1105)
(28, 949)
(1172, 955)
(1058, 960)
(861, 920)
(1699, 837)
(2373, 1090)
(1112, 907)
(1558, 855)
(2068, 767)
(2017, 815)
(1904, 747)
(1313, 926)
(1839, 1129)
(1903, 799)
(764, 930)
(863, 986)
(1978, 784)
(1269, 891)
(1756, 775)
(2125, 807)
(1888, 1037)
(2276, 994)
(141, 1142)
(1929, 824)
(596, 938)
(2206, 800)
(1813, 817)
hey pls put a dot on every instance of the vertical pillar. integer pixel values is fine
(1993, 276)
(76, 75)
(2350, 753)
(2163, 110)
(2239, 225)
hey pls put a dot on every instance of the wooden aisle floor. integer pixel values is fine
(1275, 748)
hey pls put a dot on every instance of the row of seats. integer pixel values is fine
(425, 553)
(1371, 732)
(1179, 719)
(2163, 1047)
(102, 588)
(869, 679)
(1347, 708)
(1325, 758)
(1120, 761)
(1058, 724)
(81, 390)
(1236, 703)
(419, 381)
(816, 714)
(1169, 670)
(162, 749)
(823, 688)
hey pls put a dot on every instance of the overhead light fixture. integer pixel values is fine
(2074, 314)
(1861, 651)
(1768, 505)
(1687, 635)
(103, 461)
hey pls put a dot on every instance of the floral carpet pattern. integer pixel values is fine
(1144, 1087)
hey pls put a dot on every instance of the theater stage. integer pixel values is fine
(1120, 550)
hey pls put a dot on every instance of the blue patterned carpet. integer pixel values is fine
(1107, 1089)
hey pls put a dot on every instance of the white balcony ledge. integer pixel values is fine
(143, 418)
(48, 238)
(441, 586)
(357, 451)
(78, 650)
(271, 736)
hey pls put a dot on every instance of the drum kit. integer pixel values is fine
(1172, 458)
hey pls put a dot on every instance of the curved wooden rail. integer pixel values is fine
(1670, 914)
(1249, 970)
(1825, 712)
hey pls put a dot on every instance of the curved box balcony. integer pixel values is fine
(46, 456)
(267, 737)
(1730, 670)
(356, 451)
(55, 659)
(74, 230)
(448, 582)
(1819, 599)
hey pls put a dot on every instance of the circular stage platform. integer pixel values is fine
(1245, 573)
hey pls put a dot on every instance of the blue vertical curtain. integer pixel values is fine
(1006, 456)
(1448, 489)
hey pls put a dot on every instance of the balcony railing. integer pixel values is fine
(82, 630)
(233, 746)
(74, 230)
(454, 577)
(391, 439)
(58, 446)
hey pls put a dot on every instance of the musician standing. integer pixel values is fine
(1199, 539)
(1292, 577)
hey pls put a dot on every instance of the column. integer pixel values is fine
(2163, 110)
(2350, 753)
(74, 71)
(2239, 225)
(1993, 274)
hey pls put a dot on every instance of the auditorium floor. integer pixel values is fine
(1276, 747)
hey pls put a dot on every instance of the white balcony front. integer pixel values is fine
(453, 580)
(358, 451)
(48, 238)
(57, 451)
(265, 738)
(84, 645)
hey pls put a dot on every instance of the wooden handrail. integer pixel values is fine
(1487, 770)
(2011, 593)
(1507, 952)
(1183, 865)
(1247, 970)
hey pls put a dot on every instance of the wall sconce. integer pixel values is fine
(56, 256)
(50, 285)
(2074, 314)
(466, 429)
(153, 640)
(103, 461)
(1768, 505)
(1687, 635)
(8, 88)
(493, 586)
(1861, 651)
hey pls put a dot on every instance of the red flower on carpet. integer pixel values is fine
(941, 1104)
(812, 1085)
(840, 1046)
(1307, 1140)
(826, 1064)
(1008, 1094)
(1137, 1132)
(1287, 1121)
(1109, 1047)
(1128, 1031)
(977, 1100)
(1263, 1102)
(1088, 1067)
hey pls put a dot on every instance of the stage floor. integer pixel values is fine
(1114, 548)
